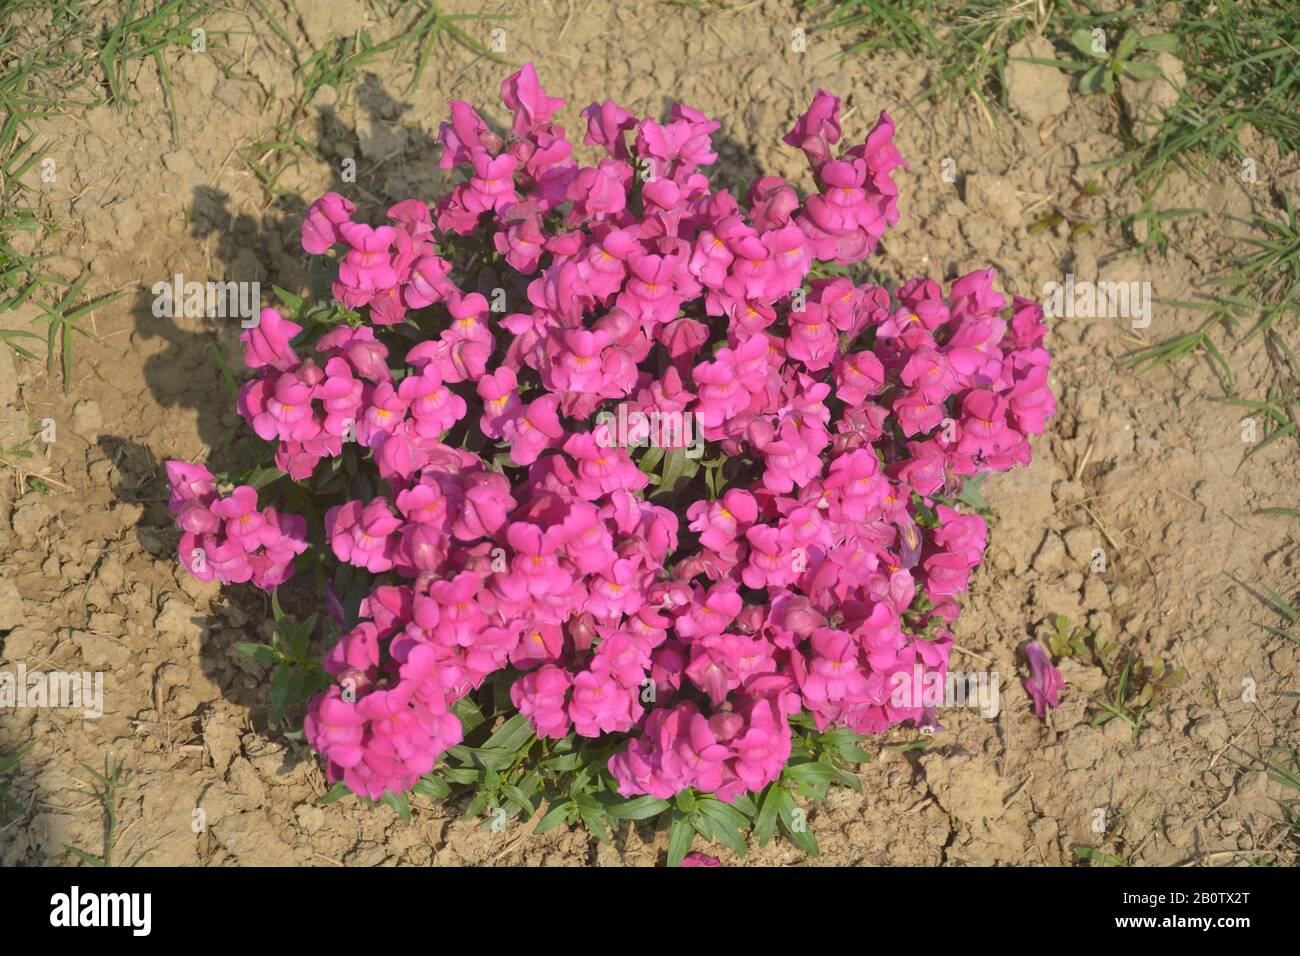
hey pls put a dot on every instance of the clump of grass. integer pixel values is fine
(1134, 686)
(147, 34)
(431, 26)
(1282, 765)
(106, 789)
(965, 41)
(1072, 212)
(1239, 58)
(6, 765)
(1286, 771)
(1257, 298)
(35, 84)
(44, 73)
(340, 63)
(1096, 856)
(1287, 612)
(1239, 63)
(63, 319)
(1153, 219)
(42, 77)
(1102, 69)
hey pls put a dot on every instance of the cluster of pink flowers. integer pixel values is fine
(225, 537)
(823, 571)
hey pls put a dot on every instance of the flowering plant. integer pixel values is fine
(622, 497)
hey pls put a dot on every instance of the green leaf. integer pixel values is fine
(1160, 43)
(83, 856)
(799, 833)
(639, 808)
(678, 469)
(336, 792)
(562, 763)
(812, 772)
(724, 820)
(468, 712)
(463, 775)
(852, 753)
(298, 636)
(1280, 604)
(765, 822)
(8, 800)
(263, 653)
(1093, 855)
(12, 760)
(728, 823)
(288, 298)
(972, 493)
(650, 459)
(594, 818)
(1281, 632)
(261, 477)
(519, 799)
(281, 678)
(1141, 71)
(703, 826)
(554, 817)
(432, 786)
(222, 364)
(746, 805)
(680, 837)
(1127, 44)
(1091, 81)
(725, 812)
(277, 612)
(714, 481)
(492, 758)
(1081, 39)
(399, 803)
(511, 735)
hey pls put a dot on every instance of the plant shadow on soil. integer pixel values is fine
(184, 374)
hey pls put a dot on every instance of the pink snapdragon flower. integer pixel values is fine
(1044, 682)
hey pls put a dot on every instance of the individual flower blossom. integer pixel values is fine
(600, 704)
(492, 186)
(721, 523)
(365, 535)
(267, 343)
(606, 124)
(433, 406)
(536, 428)
(817, 130)
(540, 696)
(499, 392)
(320, 227)
(428, 282)
(368, 265)
(522, 92)
(1044, 682)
